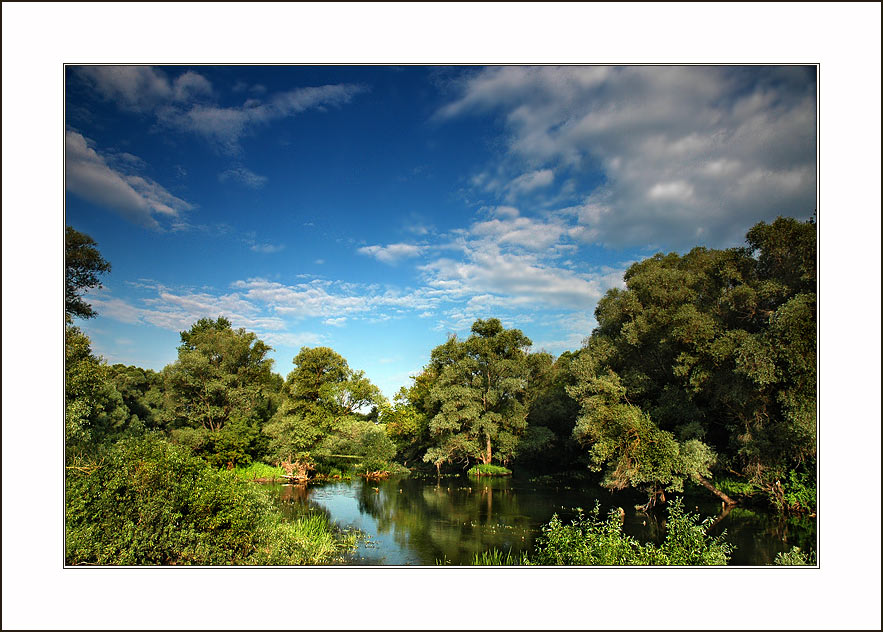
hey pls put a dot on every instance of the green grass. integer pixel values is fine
(489, 470)
(259, 470)
(495, 557)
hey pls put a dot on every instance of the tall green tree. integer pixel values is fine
(83, 265)
(624, 442)
(480, 395)
(319, 395)
(94, 409)
(217, 391)
(720, 346)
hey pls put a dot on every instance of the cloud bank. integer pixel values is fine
(687, 153)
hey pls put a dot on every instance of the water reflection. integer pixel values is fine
(410, 521)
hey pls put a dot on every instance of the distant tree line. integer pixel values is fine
(702, 371)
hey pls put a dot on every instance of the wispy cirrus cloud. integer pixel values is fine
(224, 126)
(243, 176)
(139, 199)
(686, 153)
(189, 103)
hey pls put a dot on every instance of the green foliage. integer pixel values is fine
(221, 383)
(488, 469)
(548, 442)
(796, 493)
(717, 346)
(149, 502)
(142, 391)
(479, 395)
(257, 470)
(589, 540)
(495, 557)
(321, 397)
(94, 409)
(736, 487)
(795, 557)
(625, 441)
(363, 439)
(83, 263)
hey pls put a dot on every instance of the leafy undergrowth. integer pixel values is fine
(795, 557)
(590, 541)
(153, 503)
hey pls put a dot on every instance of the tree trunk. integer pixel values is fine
(486, 457)
(714, 490)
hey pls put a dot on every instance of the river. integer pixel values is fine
(411, 521)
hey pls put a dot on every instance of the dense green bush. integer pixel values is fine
(591, 541)
(149, 502)
(795, 557)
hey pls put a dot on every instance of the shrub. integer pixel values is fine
(795, 557)
(590, 541)
(153, 503)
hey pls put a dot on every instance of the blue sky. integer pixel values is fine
(375, 210)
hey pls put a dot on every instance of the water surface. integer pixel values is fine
(412, 521)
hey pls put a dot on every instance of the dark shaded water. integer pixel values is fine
(421, 521)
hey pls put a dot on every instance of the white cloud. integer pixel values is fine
(225, 126)
(519, 231)
(187, 102)
(138, 199)
(683, 150)
(142, 88)
(528, 182)
(391, 253)
(335, 322)
(243, 176)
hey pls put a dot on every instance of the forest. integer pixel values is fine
(700, 374)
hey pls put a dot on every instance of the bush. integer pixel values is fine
(795, 557)
(153, 503)
(488, 470)
(590, 541)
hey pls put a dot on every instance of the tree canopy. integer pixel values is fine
(83, 265)
(480, 394)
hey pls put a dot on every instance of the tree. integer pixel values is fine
(720, 346)
(319, 394)
(480, 395)
(83, 264)
(624, 439)
(548, 442)
(142, 391)
(218, 389)
(94, 409)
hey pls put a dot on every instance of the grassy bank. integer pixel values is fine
(261, 472)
